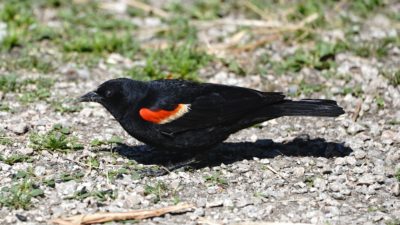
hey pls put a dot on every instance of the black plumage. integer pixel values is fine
(213, 112)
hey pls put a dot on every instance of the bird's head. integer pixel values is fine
(117, 95)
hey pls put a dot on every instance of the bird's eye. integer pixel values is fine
(108, 94)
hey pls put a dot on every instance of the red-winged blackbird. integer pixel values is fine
(184, 115)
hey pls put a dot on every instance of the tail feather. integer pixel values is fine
(307, 107)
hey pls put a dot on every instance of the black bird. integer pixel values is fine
(182, 115)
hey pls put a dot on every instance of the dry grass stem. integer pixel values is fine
(131, 215)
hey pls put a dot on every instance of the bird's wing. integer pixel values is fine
(214, 105)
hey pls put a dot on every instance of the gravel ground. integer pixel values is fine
(298, 170)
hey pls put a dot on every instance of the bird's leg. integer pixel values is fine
(171, 166)
(163, 170)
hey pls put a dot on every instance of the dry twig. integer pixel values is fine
(147, 8)
(276, 172)
(242, 22)
(357, 110)
(263, 14)
(132, 215)
(290, 27)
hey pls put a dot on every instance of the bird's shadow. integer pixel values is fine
(228, 153)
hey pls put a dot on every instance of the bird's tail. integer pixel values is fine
(307, 107)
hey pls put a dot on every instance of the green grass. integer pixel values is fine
(31, 89)
(216, 179)
(392, 222)
(66, 107)
(36, 89)
(397, 175)
(112, 175)
(174, 62)
(4, 107)
(65, 177)
(307, 88)
(50, 182)
(377, 48)
(320, 57)
(99, 43)
(179, 30)
(93, 162)
(8, 83)
(380, 102)
(24, 174)
(16, 158)
(305, 8)
(353, 90)
(4, 140)
(31, 62)
(57, 139)
(393, 77)
(89, 16)
(111, 141)
(19, 195)
(160, 189)
(101, 196)
(85, 28)
(365, 7)
(309, 181)
(18, 16)
(128, 169)
(201, 10)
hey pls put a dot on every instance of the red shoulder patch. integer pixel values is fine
(163, 116)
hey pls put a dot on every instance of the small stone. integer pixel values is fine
(21, 217)
(326, 170)
(358, 170)
(340, 161)
(201, 202)
(298, 171)
(355, 128)
(242, 168)
(338, 196)
(253, 138)
(132, 200)
(366, 179)
(26, 151)
(243, 202)
(335, 187)
(396, 189)
(377, 218)
(74, 73)
(215, 203)
(228, 202)
(19, 129)
(39, 171)
(345, 191)
(175, 184)
(351, 160)
(388, 137)
(375, 129)
(293, 89)
(3, 31)
(320, 183)
(269, 209)
(198, 212)
(86, 112)
(67, 188)
(359, 154)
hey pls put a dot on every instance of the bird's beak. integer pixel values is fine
(90, 97)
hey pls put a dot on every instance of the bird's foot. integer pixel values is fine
(163, 170)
